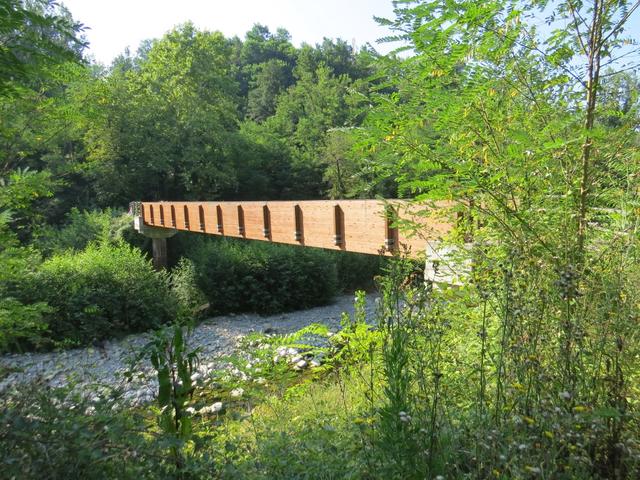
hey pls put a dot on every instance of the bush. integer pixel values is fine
(263, 278)
(184, 284)
(102, 292)
(357, 270)
(18, 322)
(85, 227)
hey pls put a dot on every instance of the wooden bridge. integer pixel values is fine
(363, 226)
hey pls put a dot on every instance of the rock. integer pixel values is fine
(213, 408)
(302, 364)
(268, 328)
(237, 392)
(100, 371)
(315, 362)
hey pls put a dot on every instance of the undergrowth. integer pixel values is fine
(443, 384)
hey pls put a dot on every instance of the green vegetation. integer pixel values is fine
(260, 277)
(82, 228)
(528, 369)
(102, 292)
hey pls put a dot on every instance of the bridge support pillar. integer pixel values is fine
(158, 238)
(159, 248)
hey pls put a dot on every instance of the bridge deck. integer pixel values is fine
(364, 226)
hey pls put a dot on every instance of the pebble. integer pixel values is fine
(237, 392)
(213, 408)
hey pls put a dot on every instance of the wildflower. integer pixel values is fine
(565, 395)
(529, 420)
(579, 409)
(522, 447)
(548, 434)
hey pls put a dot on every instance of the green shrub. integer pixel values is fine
(357, 270)
(264, 278)
(184, 284)
(102, 292)
(84, 227)
(18, 322)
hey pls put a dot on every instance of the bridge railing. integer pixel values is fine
(364, 226)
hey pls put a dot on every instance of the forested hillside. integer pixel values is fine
(191, 115)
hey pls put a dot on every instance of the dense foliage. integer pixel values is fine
(190, 115)
(264, 278)
(101, 292)
(81, 228)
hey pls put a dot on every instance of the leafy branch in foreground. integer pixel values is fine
(532, 131)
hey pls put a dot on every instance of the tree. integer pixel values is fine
(33, 37)
(168, 122)
(38, 41)
(304, 114)
(270, 79)
(261, 50)
(510, 123)
(40, 52)
(338, 56)
(349, 171)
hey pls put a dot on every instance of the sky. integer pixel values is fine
(114, 25)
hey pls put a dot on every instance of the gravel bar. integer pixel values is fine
(94, 371)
